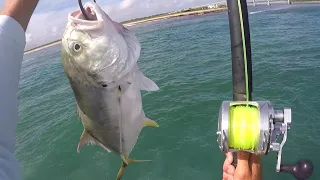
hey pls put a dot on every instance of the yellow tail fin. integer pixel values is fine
(125, 162)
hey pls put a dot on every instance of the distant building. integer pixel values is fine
(213, 6)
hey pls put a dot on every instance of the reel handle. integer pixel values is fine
(302, 170)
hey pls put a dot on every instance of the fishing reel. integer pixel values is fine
(255, 127)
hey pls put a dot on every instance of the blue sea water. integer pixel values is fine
(190, 60)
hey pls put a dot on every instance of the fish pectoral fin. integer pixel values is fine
(125, 162)
(86, 138)
(149, 122)
(145, 83)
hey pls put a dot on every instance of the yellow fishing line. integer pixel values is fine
(244, 127)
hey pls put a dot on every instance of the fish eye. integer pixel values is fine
(76, 47)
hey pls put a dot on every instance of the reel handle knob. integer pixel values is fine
(302, 170)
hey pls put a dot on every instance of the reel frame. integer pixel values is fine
(273, 123)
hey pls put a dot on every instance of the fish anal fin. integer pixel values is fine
(86, 138)
(149, 122)
(125, 162)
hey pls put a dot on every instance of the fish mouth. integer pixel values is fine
(94, 21)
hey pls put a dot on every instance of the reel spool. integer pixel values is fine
(254, 127)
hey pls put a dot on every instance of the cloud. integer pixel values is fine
(28, 37)
(46, 27)
(49, 20)
(127, 3)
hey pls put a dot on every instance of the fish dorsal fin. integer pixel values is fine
(149, 122)
(145, 83)
(86, 138)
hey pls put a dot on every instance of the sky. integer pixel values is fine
(49, 19)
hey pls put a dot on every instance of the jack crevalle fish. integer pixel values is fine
(99, 57)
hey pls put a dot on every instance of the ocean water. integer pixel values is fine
(190, 60)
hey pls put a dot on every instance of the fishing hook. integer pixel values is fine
(82, 9)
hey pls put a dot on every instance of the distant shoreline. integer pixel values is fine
(144, 20)
(198, 12)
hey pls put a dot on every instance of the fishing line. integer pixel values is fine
(244, 127)
(244, 51)
(82, 9)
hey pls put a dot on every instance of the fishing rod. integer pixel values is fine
(244, 124)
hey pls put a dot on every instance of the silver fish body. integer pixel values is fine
(100, 61)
